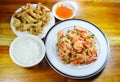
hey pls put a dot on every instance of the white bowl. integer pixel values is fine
(67, 4)
(27, 51)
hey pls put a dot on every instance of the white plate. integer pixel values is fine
(81, 71)
(45, 30)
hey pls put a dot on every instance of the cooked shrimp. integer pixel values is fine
(89, 53)
(91, 59)
(74, 39)
(87, 44)
(72, 33)
(80, 58)
(76, 47)
(60, 34)
(74, 62)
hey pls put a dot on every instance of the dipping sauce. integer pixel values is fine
(64, 12)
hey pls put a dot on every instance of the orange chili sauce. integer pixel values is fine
(64, 12)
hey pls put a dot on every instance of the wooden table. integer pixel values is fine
(106, 15)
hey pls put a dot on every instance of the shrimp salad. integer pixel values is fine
(77, 46)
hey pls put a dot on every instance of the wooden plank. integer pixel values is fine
(103, 13)
(6, 40)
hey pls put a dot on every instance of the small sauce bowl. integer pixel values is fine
(64, 10)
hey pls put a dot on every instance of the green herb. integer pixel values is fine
(78, 59)
(76, 32)
(69, 31)
(58, 49)
(68, 37)
(66, 60)
(74, 55)
(86, 51)
(92, 36)
(84, 61)
(59, 42)
(80, 52)
(90, 51)
(66, 55)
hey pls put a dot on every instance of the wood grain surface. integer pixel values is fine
(104, 14)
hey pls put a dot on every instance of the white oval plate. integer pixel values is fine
(81, 71)
(45, 30)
